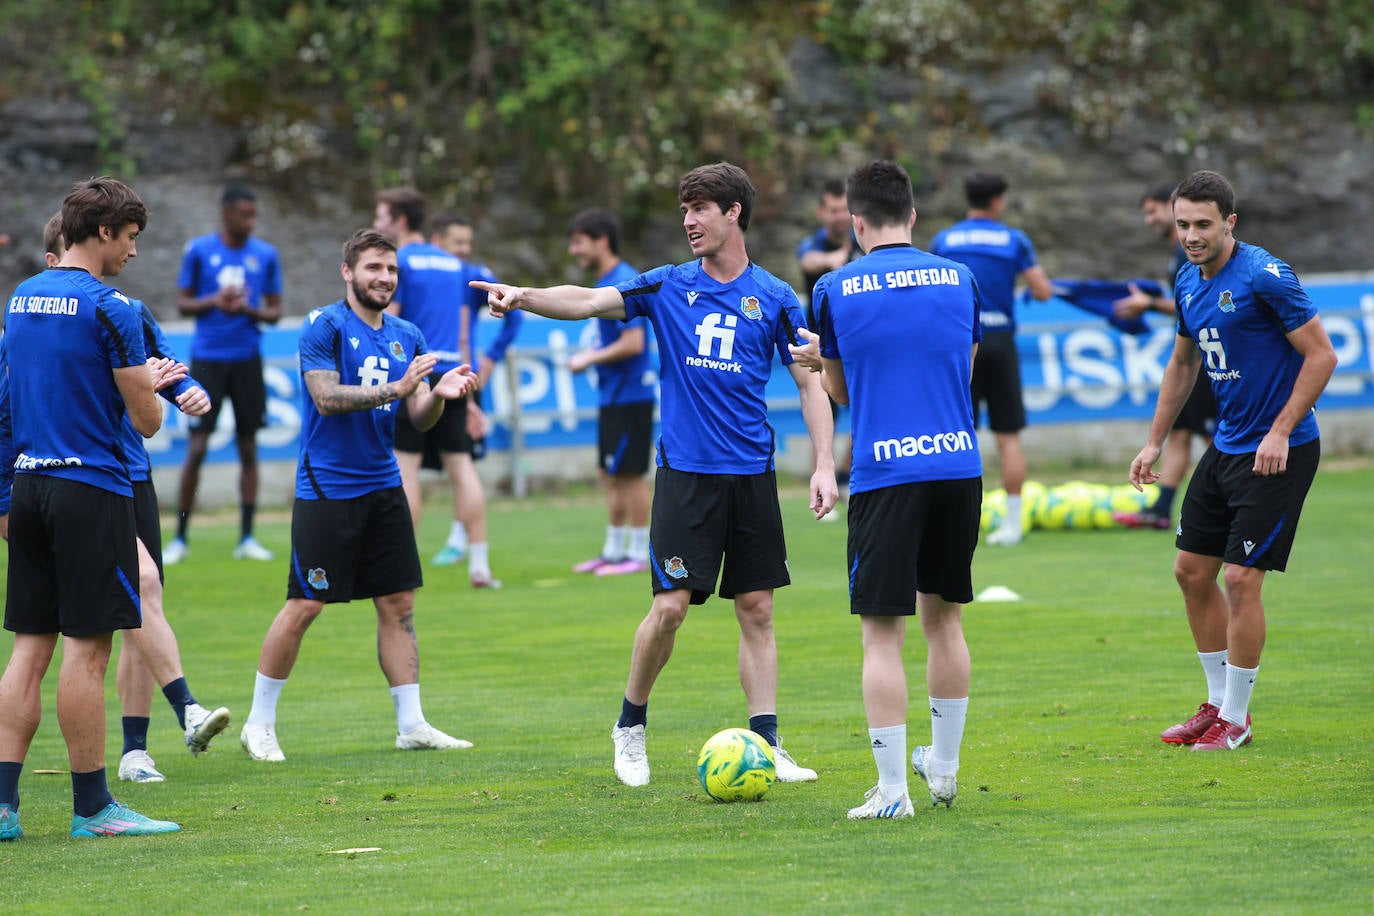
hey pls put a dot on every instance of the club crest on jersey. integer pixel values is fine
(251, 262)
(750, 304)
(692, 297)
(317, 579)
(396, 350)
(1225, 303)
(673, 566)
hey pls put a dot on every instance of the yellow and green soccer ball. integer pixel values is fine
(736, 765)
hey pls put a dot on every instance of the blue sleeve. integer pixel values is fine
(122, 329)
(7, 450)
(319, 342)
(1026, 252)
(272, 282)
(640, 293)
(510, 326)
(977, 305)
(790, 317)
(1277, 285)
(155, 344)
(806, 246)
(825, 325)
(187, 278)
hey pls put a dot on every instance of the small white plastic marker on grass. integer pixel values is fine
(353, 850)
(997, 593)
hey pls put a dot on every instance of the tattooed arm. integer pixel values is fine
(333, 397)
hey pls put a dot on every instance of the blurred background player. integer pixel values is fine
(1268, 359)
(1199, 414)
(913, 522)
(351, 530)
(73, 556)
(454, 234)
(230, 283)
(715, 496)
(433, 294)
(148, 655)
(999, 256)
(626, 383)
(829, 248)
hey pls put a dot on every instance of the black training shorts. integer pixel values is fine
(147, 523)
(342, 549)
(997, 381)
(625, 438)
(240, 382)
(446, 437)
(1199, 413)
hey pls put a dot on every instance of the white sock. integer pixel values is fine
(947, 733)
(408, 713)
(889, 753)
(477, 560)
(1214, 667)
(639, 545)
(457, 536)
(614, 548)
(1240, 682)
(266, 692)
(1012, 520)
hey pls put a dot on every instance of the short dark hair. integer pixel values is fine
(880, 193)
(52, 236)
(439, 225)
(597, 224)
(406, 202)
(982, 188)
(724, 184)
(364, 240)
(97, 202)
(833, 187)
(236, 193)
(1160, 193)
(1203, 186)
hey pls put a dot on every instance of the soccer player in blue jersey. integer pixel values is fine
(73, 561)
(433, 294)
(718, 321)
(1244, 320)
(231, 284)
(899, 319)
(627, 385)
(351, 530)
(148, 655)
(1199, 414)
(999, 257)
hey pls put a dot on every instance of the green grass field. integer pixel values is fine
(1068, 800)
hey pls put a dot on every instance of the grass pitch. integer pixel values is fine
(1068, 801)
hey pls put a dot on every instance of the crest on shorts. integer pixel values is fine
(673, 567)
(317, 579)
(1225, 303)
(750, 304)
(396, 350)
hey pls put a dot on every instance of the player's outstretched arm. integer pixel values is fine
(566, 303)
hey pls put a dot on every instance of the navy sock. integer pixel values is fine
(179, 695)
(765, 725)
(135, 733)
(9, 784)
(183, 523)
(90, 792)
(246, 520)
(1164, 505)
(632, 714)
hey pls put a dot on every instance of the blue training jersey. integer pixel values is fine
(629, 381)
(1239, 320)
(904, 323)
(209, 265)
(997, 254)
(432, 290)
(350, 454)
(154, 344)
(65, 334)
(715, 343)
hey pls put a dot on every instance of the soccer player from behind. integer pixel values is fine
(1244, 320)
(433, 294)
(899, 319)
(626, 384)
(999, 256)
(718, 320)
(73, 558)
(1199, 414)
(148, 655)
(231, 284)
(351, 531)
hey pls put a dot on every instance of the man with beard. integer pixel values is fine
(351, 534)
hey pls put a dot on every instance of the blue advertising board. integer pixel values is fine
(1075, 368)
